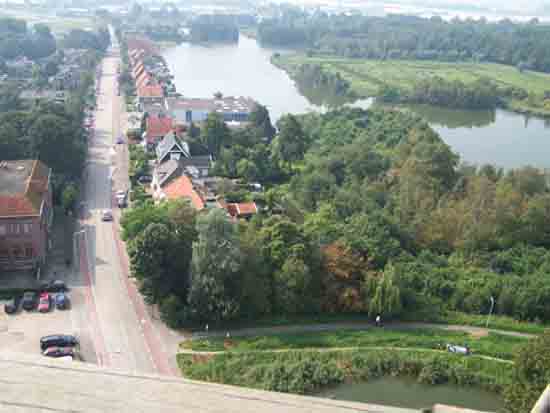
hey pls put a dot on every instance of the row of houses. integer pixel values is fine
(73, 65)
(177, 173)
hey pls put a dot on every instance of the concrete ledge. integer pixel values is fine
(36, 384)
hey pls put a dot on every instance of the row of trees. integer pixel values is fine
(17, 39)
(481, 94)
(85, 39)
(215, 28)
(366, 211)
(408, 37)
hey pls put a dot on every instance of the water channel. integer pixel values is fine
(499, 137)
(408, 393)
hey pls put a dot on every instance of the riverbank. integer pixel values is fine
(368, 77)
(307, 371)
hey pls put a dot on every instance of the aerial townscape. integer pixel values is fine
(254, 206)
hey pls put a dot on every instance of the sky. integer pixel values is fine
(530, 8)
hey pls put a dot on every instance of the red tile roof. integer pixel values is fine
(241, 209)
(182, 187)
(151, 91)
(158, 127)
(29, 202)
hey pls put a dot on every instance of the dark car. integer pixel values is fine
(61, 301)
(58, 340)
(54, 286)
(12, 305)
(145, 179)
(58, 352)
(29, 300)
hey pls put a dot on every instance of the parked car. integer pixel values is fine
(12, 306)
(106, 215)
(58, 352)
(464, 350)
(44, 303)
(58, 340)
(61, 301)
(53, 286)
(145, 179)
(121, 203)
(29, 300)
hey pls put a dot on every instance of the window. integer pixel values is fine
(29, 252)
(27, 228)
(3, 229)
(17, 252)
(4, 253)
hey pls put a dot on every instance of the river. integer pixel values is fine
(502, 138)
(406, 392)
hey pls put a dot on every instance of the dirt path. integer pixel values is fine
(315, 328)
(344, 349)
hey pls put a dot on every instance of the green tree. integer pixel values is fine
(55, 143)
(215, 133)
(69, 197)
(151, 261)
(215, 281)
(290, 144)
(531, 375)
(386, 296)
(260, 120)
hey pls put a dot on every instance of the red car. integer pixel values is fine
(59, 352)
(44, 303)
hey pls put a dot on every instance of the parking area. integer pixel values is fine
(21, 332)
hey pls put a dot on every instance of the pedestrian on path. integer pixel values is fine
(206, 328)
(378, 321)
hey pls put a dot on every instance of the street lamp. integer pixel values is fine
(490, 311)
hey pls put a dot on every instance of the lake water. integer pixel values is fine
(499, 137)
(405, 392)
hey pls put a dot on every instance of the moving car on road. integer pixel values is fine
(145, 179)
(29, 300)
(58, 340)
(12, 305)
(106, 215)
(45, 303)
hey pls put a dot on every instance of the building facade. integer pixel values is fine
(26, 214)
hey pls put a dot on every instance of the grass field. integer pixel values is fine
(307, 371)
(492, 345)
(59, 25)
(366, 76)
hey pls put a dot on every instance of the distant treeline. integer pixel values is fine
(17, 39)
(481, 94)
(215, 28)
(408, 37)
(313, 76)
(84, 39)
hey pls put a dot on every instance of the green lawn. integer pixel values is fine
(493, 345)
(308, 371)
(59, 25)
(366, 76)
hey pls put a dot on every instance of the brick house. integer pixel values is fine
(26, 214)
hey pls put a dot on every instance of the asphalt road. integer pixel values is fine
(118, 331)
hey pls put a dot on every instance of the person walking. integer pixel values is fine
(378, 321)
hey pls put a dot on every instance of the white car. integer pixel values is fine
(106, 215)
